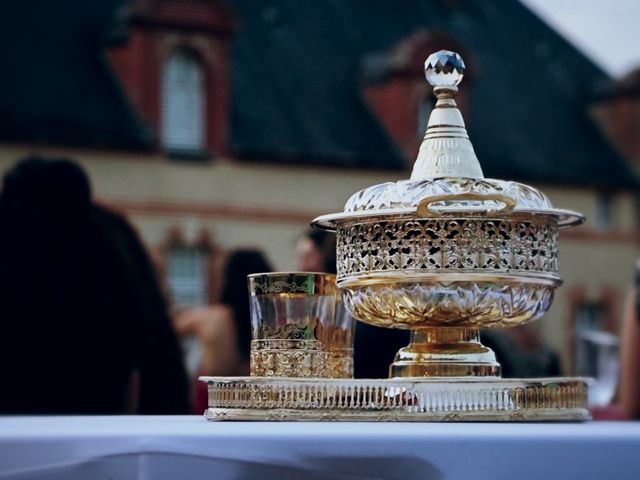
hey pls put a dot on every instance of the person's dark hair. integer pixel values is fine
(235, 292)
(81, 308)
(54, 189)
(325, 242)
(637, 290)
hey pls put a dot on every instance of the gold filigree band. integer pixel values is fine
(287, 283)
(299, 358)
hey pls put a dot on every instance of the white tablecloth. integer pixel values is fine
(191, 448)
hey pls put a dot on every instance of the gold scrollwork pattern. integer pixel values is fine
(281, 286)
(287, 358)
(339, 363)
(299, 358)
(447, 245)
(290, 331)
(465, 304)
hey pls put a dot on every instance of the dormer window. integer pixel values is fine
(183, 104)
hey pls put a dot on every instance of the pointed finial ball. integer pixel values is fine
(444, 69)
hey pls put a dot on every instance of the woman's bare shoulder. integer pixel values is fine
(207, 322)
(221, 313)
(221, 319)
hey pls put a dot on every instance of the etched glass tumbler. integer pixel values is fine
(294, 327)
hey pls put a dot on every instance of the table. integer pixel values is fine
(189, 447)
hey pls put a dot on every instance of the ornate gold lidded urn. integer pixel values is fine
(448, 251)
(443, 254)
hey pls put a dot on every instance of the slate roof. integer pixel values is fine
(295, 71)
(295, 92)
(55, 82)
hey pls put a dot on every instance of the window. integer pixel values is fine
(596, 352)
(604, 211)
(188, 284)
(187, 276)
(183, 104)
(588, 320)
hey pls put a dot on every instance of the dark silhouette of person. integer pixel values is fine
(85, 329)
(521, 352)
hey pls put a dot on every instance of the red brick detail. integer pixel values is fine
(619, 116)
(396, 103)
(138, 69)
(189, 15)
(253, 214)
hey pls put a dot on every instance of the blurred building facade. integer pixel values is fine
(218, 124)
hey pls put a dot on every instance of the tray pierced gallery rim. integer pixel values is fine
(397, 399)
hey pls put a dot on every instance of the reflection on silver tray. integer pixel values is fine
(400, 399)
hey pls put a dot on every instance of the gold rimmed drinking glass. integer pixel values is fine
(295, 331)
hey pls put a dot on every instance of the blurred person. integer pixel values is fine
(374, 347)
(224, 329)
(85, 329)
(630, 354)
(316, 251)
(522, 353)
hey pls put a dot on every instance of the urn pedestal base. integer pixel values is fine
(445, 352)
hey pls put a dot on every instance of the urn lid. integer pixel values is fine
(447, 178)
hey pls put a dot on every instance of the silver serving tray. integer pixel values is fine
(398, 399)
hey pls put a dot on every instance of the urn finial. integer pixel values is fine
(446, 150)
(444, 69)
